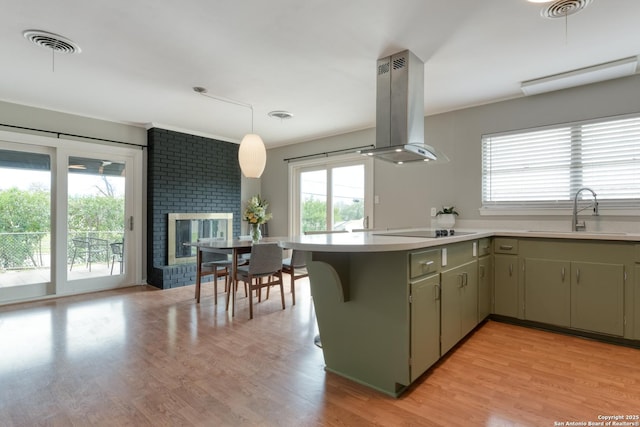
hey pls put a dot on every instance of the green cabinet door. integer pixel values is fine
(505, 292)
(636, 303)
(485, 282)
(597, 297)
(469, 299)
(459, 304)
(547, 291)
(425, 324)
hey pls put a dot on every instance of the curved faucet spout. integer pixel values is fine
(580, 225)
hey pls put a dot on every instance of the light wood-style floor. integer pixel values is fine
(144, 357)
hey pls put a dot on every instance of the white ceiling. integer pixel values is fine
(316, 59)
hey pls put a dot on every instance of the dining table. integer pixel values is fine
(236, 247)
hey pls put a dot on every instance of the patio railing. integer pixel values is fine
(24, 251)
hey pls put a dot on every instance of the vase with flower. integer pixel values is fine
(256, 214)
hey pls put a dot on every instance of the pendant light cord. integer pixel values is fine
(566, 27)
(202, 91)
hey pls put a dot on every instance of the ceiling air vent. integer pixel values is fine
(564, 8)
(51, 41)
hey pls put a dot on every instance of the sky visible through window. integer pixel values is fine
(79, 184)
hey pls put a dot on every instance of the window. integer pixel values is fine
(545, 167)
(331, 195)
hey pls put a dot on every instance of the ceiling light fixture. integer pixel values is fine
(597, 73)
(252, 154)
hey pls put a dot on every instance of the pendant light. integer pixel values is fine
(252, 154)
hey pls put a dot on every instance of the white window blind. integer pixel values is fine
(545, 167)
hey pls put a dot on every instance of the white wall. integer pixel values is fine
(406, 193)
(53, 121)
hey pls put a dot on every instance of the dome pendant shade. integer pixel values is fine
(252, 156)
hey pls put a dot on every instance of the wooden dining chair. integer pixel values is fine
(296, 267)
(216, 264)
(264, 271)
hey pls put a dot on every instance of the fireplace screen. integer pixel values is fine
(189, 227)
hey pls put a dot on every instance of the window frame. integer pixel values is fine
(621, 207)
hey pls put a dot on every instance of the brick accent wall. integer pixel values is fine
(186, 173)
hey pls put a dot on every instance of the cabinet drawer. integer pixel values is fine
(484, 246)
(505, 246)
(424, 262)
(458, 254)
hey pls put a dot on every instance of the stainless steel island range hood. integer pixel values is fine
(400, 111)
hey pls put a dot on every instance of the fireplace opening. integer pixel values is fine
(189, 227)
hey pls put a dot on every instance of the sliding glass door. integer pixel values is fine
(66, 218)
(95, 217)
(331, 196)
(25, 221)
(98, 217)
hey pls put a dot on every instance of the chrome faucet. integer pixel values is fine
(580, 225)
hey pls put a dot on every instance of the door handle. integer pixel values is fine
(510, 269)
(562, 274)
(436, 292)
(461, 277)
(131, 223)
(577, 275)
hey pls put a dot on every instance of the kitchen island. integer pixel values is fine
(364, 286)
(388, 307)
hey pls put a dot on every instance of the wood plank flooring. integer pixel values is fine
(144, 357)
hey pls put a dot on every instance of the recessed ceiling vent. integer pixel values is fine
(51, 41)
(280, 114)
(564, 8)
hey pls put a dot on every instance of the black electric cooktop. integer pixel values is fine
(430, 234)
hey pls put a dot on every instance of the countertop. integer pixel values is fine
(375, 241)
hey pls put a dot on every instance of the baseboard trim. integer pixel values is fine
(567, 331)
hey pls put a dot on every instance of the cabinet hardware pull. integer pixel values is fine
(510, 269)
(466, 279)
(461, 277)
(436, 291)
(426, 263)
(506, 247)
(577, 275)
(563, 274)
